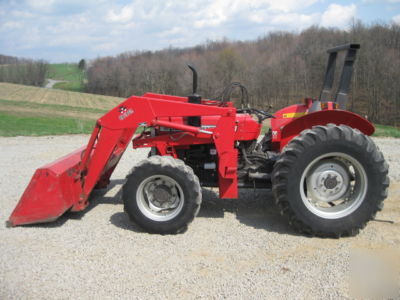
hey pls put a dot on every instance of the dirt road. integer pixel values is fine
(51, 82)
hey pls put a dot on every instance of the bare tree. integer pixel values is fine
(280, 68)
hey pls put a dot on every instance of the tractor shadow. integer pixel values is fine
(255, 208)
(104, 196)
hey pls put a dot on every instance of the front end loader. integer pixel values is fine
(326, 173)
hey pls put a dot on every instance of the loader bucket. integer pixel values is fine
(53, 189)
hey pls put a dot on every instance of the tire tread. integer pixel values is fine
(166, 162)
(298, 145)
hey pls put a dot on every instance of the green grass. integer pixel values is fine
(69, 86)
(386, 131)
(15, 125)
(57, 107)
(67, 72)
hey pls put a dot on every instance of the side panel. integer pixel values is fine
(227, 156)
(287, 114)
(281, 135)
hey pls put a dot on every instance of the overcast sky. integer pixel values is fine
(68, 30)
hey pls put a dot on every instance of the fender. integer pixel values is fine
(282, 136)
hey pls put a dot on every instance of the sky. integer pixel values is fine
(69, 30)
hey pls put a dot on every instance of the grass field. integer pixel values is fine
(73, 76)
(12, 124)
(56, 107)
(389, 131)
(69, 86)
(18, 92)
(27, 110)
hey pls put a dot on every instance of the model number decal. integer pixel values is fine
(293, 115)
(125, 112)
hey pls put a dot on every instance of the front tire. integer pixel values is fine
(330, 181)
(162, 195)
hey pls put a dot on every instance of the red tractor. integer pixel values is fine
(326, 173)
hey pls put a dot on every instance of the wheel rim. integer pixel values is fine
(160, 198)
(333, 185)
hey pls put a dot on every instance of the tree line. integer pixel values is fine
(278, 69)
(22, 70)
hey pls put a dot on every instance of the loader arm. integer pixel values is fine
(67, 183)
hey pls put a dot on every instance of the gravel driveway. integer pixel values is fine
(234, 249)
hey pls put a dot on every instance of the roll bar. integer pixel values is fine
(345, 78)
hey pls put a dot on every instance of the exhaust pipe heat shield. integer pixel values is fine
(53, 189)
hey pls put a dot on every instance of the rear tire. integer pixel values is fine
(330, 181)
(162, 195)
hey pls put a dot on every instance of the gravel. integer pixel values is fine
(234, 249)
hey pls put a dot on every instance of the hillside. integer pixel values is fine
(27, 110)
(70, 73)
(36, 72)
(18, 92)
